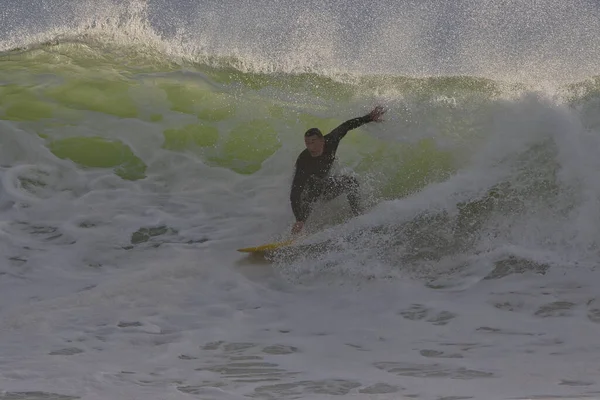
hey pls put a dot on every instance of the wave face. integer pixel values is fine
(141, 142)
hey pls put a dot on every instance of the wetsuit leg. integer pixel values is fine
(311, 194)
(337, 185)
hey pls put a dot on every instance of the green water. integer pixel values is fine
(77, 98)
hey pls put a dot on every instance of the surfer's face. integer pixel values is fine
(315, 145)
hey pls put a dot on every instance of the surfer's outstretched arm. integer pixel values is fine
(338, 133)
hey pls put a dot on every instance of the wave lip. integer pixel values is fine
(548, 40)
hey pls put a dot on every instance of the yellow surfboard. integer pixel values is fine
(266, 247)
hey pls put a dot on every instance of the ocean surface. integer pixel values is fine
(142, 143)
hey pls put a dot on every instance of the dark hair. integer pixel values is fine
(313, 132)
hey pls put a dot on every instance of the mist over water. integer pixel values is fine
(143, 142)
(511, 40)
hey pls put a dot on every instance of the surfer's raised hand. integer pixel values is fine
(377, 113)
(297, 227)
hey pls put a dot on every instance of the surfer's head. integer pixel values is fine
(314, 141)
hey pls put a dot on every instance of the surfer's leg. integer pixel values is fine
(353, 195)
(337, 185)
(310, 195)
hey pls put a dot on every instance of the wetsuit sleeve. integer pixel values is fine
(300, 177)
(338, 133)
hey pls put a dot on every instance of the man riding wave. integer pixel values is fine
(311, 178)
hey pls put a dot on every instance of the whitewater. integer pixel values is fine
(143, 142)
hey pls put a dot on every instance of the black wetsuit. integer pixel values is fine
(311, 180)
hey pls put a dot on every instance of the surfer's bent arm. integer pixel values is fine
(338, 133)
(300, 177)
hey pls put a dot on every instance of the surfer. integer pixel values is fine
(311, 178)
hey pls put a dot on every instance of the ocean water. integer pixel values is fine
(142, 143)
